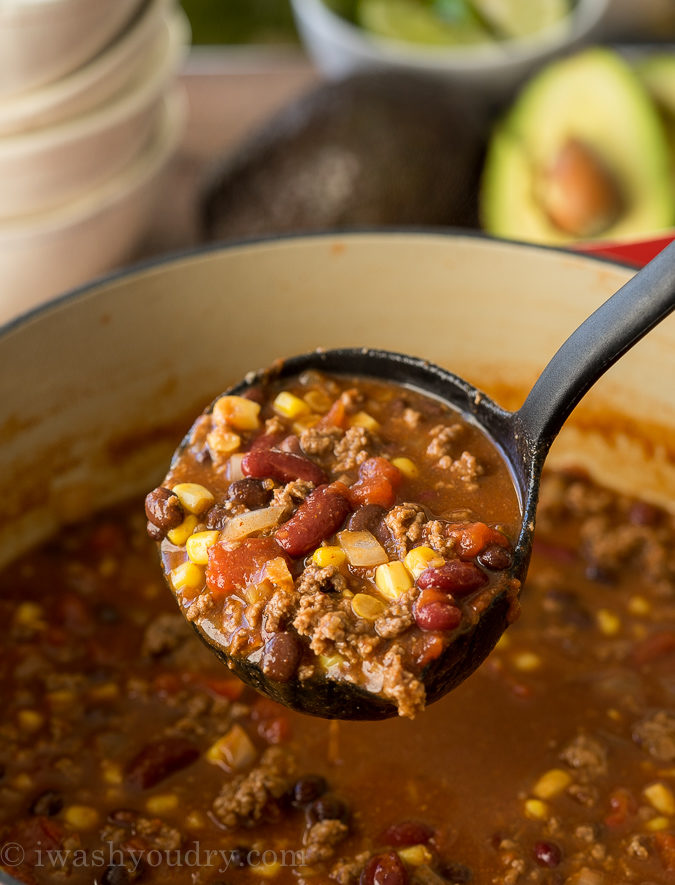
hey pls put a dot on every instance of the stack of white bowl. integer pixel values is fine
(90, 115)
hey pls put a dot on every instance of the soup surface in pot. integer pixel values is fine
(129, 754)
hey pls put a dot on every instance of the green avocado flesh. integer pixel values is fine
(657, 73)
(417, 22)
(596, 99)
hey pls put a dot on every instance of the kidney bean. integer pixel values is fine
(230, 569)
(384, 869)
(307, 789)
(266, 441)
(281, 657)
(547, 854)
(496, 558)
(407, 832)
(47, 804)
(157, 760)
(437, 616)
(249, 492)
(317, 518)
(163, 509)
(366, 518)
(281, 466)
(327, 807)
(644, 514)
(456, 577)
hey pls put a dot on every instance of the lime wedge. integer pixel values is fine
(521, 18)
(414, 21)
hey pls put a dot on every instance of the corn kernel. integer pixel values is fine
(288, 405)
(318, 401)
(415, 855)
(22, 782)
(330, 661)
(60, 699)
(421, 558)
(197, 546)
(304, 423)
(82, 817)
(608, 622)
(112, 773)
(366, 606)
(223, 442)
(187, 576)
(527, 661)
(108, 567)
(182, 532)
(407, 467)
(268, 870)
(392, 579)
(325, 556)
(638, 605)
(30, 614)
(194, 497)
(234, 751)
(535, 809)
(658, 823)
(363, 419)
(237, 411)
(551, 783)
(30, 720)
(660, 797)
(162, 803)
(195, 820)
(107, 691)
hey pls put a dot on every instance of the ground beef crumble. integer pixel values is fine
(352, 450)
(246, 799)
(405, 523)
(321, 839)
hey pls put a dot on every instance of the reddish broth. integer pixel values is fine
(554, 763)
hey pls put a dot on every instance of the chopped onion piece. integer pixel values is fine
(254, 521)
(362, 548)
(234, 467)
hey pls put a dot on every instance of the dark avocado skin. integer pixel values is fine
(375, 149)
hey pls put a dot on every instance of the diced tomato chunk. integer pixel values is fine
(377, 467)
(474, 537)
(336, 416)
(231, 569)
(372, 490)
(665, 848)
(622, 805)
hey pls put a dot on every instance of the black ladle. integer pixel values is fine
(524, 438)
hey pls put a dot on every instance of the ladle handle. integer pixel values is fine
(596, 345)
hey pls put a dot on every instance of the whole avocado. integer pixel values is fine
(371, 150)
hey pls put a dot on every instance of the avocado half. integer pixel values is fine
(596, 99)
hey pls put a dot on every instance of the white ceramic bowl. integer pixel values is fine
(106, 75)
(338, 47)
(46, 168)
(42, 40)
(97, 387)
(47, 253)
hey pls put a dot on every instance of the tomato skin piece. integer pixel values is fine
(231, 568)
(380, 466)
(372, 490)
(473, 537)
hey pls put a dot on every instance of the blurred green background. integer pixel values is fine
(240, 21)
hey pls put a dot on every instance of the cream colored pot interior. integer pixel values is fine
(96, 389)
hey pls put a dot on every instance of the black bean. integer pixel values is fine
(496, 558)
(216, 517)
(547, 854)
(599, 574)
(328, 807)
(47, 804)
(643, 514)
(238, 857)
(163, 509)
(122, 874)
(291, 444)
(249, 492)
(308, 788)
(281, 657)
(366, 518)
(457, 873)
(154, 531)
(108, 614)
